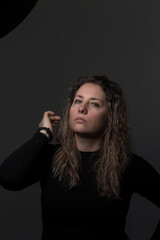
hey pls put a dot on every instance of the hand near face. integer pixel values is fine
(49, 120)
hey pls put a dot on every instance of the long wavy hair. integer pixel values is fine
(114, 155)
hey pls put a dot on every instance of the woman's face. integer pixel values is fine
(88, 112)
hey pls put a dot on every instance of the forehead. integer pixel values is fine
(91, 90)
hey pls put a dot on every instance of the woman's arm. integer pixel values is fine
(27, 164)
(145, 180)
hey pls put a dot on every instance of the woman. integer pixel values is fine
(88, 177)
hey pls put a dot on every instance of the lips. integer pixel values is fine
(79, 119)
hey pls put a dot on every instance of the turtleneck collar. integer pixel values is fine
(90, 156)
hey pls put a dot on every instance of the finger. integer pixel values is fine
(48, 113)
(54, 122)
(55, 118)
(57, 121)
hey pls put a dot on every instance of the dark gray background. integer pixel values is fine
(58, 42)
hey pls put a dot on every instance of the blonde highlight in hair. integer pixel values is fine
(114, 154)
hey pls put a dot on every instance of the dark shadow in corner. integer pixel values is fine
(12, 13)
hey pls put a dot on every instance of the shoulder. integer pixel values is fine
(141, 177)
(138, 163)
(140, 168)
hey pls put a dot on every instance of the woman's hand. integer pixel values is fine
(49, 120)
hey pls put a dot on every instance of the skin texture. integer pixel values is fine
(90, 105)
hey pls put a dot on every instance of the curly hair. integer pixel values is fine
(115, 151)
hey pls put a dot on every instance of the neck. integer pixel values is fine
(87, 144)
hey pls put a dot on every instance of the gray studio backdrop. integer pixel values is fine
(58, 42)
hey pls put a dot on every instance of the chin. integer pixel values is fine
(85, 134)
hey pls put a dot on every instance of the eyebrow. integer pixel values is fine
(90, 98)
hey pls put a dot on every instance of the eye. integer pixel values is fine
(77, 101)
(95, 104)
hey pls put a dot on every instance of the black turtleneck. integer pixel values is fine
(78, 212)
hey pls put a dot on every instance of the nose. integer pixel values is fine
(82, 109)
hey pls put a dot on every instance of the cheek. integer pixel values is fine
(101, 119)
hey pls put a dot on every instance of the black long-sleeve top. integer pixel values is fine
(79, 212)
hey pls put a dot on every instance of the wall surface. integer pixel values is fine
(57, 42)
